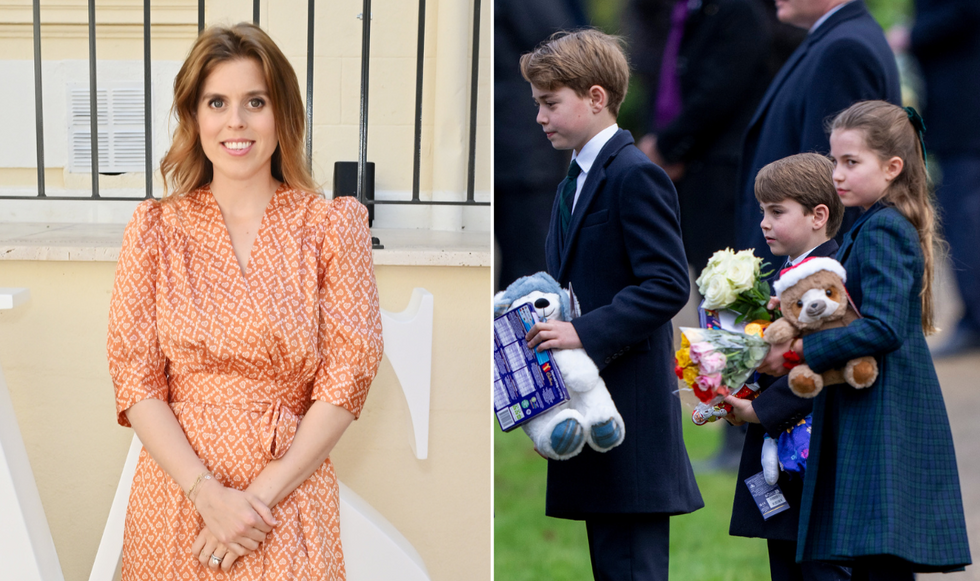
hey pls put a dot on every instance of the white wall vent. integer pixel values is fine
(121, 129)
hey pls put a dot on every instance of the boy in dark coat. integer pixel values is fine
(801, 214)
(615, 238)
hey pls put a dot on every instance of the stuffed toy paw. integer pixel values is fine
(590, 416)
(812, 298)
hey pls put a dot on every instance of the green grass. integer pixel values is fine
(529, 546)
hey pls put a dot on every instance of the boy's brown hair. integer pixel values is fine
(578, 60)
(805, 178)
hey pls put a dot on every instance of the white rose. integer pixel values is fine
(718, 293)
(720, 258)
(742, 270)
(714, 269)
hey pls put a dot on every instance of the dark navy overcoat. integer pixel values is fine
(624, 258)
(881, 476)
(845, 60)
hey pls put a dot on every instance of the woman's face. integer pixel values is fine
(236, 121)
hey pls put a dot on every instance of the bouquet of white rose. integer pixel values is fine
(735, 281)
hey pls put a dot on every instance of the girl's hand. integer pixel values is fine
(233, 516)
(773, 363)
(742, 410)
(207, 544)
(773, 304)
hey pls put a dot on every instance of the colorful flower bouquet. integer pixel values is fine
(735, 281)
(714, 363)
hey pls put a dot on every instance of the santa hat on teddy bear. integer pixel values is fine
(788, 277)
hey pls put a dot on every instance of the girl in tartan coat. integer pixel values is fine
(882, 490)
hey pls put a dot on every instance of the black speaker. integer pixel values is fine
(345, 183)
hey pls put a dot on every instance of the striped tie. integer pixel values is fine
(567, 189)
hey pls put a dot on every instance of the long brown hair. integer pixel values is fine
(888, 131)
(185, 167)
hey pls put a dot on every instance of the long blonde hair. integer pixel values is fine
(185, 167)
(889, 132)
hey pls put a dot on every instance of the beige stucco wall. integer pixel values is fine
(52, 351)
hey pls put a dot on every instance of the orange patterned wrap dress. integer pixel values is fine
(240, 358)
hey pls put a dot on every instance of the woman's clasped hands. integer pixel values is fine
(235, 524)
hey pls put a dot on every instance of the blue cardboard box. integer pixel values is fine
(525, 383)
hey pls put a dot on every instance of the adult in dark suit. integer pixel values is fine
(778, 410)
(720, 70)
(843, 60)
(946, 42)
(526, 167)
(624, 258)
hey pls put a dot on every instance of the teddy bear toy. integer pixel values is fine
(589, 416)
(812, 298)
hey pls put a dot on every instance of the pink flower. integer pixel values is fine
(713, 362)
(699, 350)
(708, 382)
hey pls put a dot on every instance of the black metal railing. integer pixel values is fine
(362, 194)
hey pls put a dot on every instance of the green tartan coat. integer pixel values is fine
(881, 477)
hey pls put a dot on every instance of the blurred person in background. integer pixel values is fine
(946, 41)
(711, 77)
(526, 167)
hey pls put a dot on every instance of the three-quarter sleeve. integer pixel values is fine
(136, 362)
(350, 339)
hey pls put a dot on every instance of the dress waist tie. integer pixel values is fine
(278, 427)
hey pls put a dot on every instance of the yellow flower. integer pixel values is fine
(757, 328)
(685, 343)
(683, 357)
(690, 374)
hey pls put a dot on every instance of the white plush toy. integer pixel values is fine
(590, 416)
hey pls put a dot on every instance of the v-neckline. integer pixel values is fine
(229, 247)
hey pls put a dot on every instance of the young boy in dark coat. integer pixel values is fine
(615, 238)
(801, 214)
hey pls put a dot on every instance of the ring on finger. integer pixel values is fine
(216, 560)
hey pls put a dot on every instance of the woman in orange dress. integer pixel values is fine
(244, 332)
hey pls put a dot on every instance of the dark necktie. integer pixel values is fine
(568, 187)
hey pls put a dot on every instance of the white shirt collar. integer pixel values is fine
(803, 256)
(829, 13)
(590, 150)
(587, 156)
